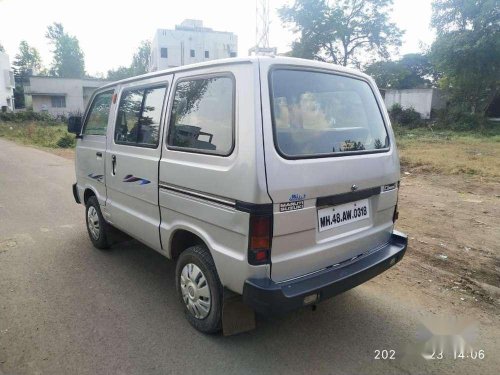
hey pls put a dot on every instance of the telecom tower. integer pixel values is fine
(262, 30)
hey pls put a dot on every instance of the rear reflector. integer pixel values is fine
(259, 243)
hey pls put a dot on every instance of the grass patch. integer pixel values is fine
(38, 133)
(449, 152)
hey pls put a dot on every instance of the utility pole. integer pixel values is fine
(262, 30)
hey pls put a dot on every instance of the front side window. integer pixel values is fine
(321, 114)
(202, 117)
(97, 118)
(139, 114)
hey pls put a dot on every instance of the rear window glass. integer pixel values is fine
(202, 117)
(318, 113)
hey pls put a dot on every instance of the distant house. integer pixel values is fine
(6, 84)
(421, 100)
(60, 96)
(189, 43)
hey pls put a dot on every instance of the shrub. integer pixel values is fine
(455, 118)
(66, 141)
(407, 117)
(28, 116)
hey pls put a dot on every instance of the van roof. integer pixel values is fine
(281, 60)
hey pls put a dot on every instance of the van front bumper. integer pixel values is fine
(268, 297)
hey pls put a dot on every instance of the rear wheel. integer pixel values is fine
(200, 289)
(96, 225)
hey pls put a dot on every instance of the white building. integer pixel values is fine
(421, 100)
(190, 43)
(6, 84)
(60, 96)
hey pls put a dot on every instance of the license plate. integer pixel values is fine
(332, 217)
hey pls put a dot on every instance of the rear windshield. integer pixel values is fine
(321, 114)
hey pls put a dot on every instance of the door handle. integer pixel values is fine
(99, 154)
(113, 164)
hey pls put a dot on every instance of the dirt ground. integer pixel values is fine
(453, 224)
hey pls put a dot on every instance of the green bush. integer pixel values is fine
(455, 118)
(407, 117)
(29, 116)
(66, 141)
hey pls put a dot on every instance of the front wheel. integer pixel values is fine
(200, 289)
(96, 225)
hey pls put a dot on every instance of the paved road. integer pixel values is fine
(66, 308)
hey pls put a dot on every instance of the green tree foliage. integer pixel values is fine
(139, 65)
(26, 62)
(68, 59)
(121, 72)
(140, 60)
(411, 71)
(342, 31)
(467, 51)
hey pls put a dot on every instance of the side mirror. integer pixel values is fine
(75, 125)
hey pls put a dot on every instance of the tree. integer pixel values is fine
(140, 60)
(68, 57)
(27, 61)
(413, 70)
(343, 31)
(467, 51)
(139, 65)
(121, 72)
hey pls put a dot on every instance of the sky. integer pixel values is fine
(109, 31)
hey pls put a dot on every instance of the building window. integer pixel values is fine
(232, 54)
(164, 52)
(58, 101)
(207, 54)
(192, 54)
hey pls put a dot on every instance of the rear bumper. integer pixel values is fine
(267, 297)
(75, 194)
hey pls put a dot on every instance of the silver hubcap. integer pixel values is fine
(93, 222)
(195, 291)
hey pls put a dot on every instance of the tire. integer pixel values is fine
(194, 300)
(93, 214)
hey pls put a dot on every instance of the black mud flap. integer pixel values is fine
(236, 316)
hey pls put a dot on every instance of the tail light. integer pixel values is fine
(259, 239)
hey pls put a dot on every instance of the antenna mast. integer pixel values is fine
(262, 30)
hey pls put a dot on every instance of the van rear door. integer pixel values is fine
(332, 168)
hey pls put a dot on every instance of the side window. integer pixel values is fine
(139, 115)
(97, 118)
(202, 118)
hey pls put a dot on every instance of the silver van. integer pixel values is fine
(274, 178)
